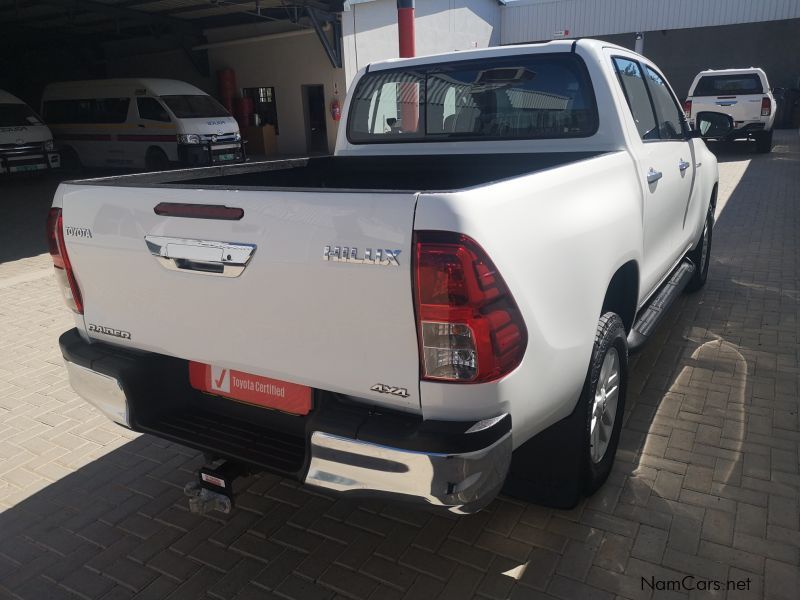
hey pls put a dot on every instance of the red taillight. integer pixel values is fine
(58, 252)
(766, 107)
(687, 109)
(470, 329)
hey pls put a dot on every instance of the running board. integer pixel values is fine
(648, 318)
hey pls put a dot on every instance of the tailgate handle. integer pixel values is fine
(201, 257)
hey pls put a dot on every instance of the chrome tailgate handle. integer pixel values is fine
(201, 257)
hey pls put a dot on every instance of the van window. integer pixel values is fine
(18, 115)
(151, 110)
(728, 85)
(195, 107)
(543, 96)
(90, 110)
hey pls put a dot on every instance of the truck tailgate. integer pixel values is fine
(743, 108)
(291, 314)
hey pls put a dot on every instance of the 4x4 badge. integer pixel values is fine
(388, 389)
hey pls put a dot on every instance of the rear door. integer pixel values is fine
(665, 161)
(312, 306)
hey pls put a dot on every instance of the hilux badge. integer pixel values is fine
(378, 256)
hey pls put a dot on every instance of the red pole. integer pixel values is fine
(405, 27)
(409, 94)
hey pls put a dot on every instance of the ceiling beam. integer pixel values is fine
(150, 18)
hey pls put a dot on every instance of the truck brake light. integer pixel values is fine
(470, 329)
(63, 268)
(687, 109)
(766, 107)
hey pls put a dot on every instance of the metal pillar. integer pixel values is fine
(639, 47)
(405, 27)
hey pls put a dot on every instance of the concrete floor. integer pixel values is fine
(706, 482)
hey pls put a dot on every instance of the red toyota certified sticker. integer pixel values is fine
(249, 388)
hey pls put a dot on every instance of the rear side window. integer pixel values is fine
(542, 96)
(151, 110)
(728, 85)
(631, 79)
(668, 113)
(93, 110)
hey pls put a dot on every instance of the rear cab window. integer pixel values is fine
(544, 96)
(729, 85)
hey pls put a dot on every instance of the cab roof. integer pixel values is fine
(156, 87)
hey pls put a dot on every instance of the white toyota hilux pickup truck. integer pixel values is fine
(443, 308)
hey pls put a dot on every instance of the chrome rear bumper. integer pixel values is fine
(101, 391)
(460, 483)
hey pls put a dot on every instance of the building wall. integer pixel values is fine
(681, 54)
(286, 64)
(370, 29)
(538, 20)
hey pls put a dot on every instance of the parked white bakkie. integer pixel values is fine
(744, 94)
(464, 278)
(140, 123)
(26, 143)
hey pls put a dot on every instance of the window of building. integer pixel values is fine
(265, 108)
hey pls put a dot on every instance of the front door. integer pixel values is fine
(315, 118)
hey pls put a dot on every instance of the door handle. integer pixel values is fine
(683, 165)
(201, 257)
(653, 175)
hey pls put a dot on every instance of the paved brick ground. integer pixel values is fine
(706, 482)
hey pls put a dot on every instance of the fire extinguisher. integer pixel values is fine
(336, 110)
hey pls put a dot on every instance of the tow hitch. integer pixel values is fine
(213, 488)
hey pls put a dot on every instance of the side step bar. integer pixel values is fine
(648, 318)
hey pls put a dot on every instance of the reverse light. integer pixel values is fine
(470, 329)
(766, 107)
(63, 268)
(188, 138)
(687, 109)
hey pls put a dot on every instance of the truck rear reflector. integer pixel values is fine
(470, 329)
(63, 268)
(199, 211)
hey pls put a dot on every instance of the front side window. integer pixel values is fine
(668, 113)
(150, 109)
(18, 115)
(542, 96)
(631, 78)
(198, 106)
(728, 85)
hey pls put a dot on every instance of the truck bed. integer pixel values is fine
(384, 173)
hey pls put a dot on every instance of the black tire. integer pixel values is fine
(156, 160)
(764, 142)
(701, 255)
(70, 161)
(555, 467)
(610, 337)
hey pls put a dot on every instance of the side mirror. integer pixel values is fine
(713, 125)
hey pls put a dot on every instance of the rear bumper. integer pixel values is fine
(348, 448)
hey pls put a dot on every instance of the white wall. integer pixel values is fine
(285, 64)
(539, 20)
(370, 29)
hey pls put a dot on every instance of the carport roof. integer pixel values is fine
(29, 22)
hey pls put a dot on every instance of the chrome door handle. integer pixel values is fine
(201, 257)
(653, 175)
(683, 165)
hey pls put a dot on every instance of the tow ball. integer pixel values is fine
(213, 488)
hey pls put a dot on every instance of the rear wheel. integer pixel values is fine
(764, 142)
(701, 255)
(156, 160)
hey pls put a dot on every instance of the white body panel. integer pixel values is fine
(126, 143)
(557, 236)
(18, 139)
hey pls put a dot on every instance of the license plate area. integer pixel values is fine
(251, 389)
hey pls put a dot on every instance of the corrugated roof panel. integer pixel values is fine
(538, 20)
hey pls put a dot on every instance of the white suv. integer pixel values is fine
(744, 94)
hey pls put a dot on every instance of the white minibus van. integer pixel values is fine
(150, 123)
(26, 143)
